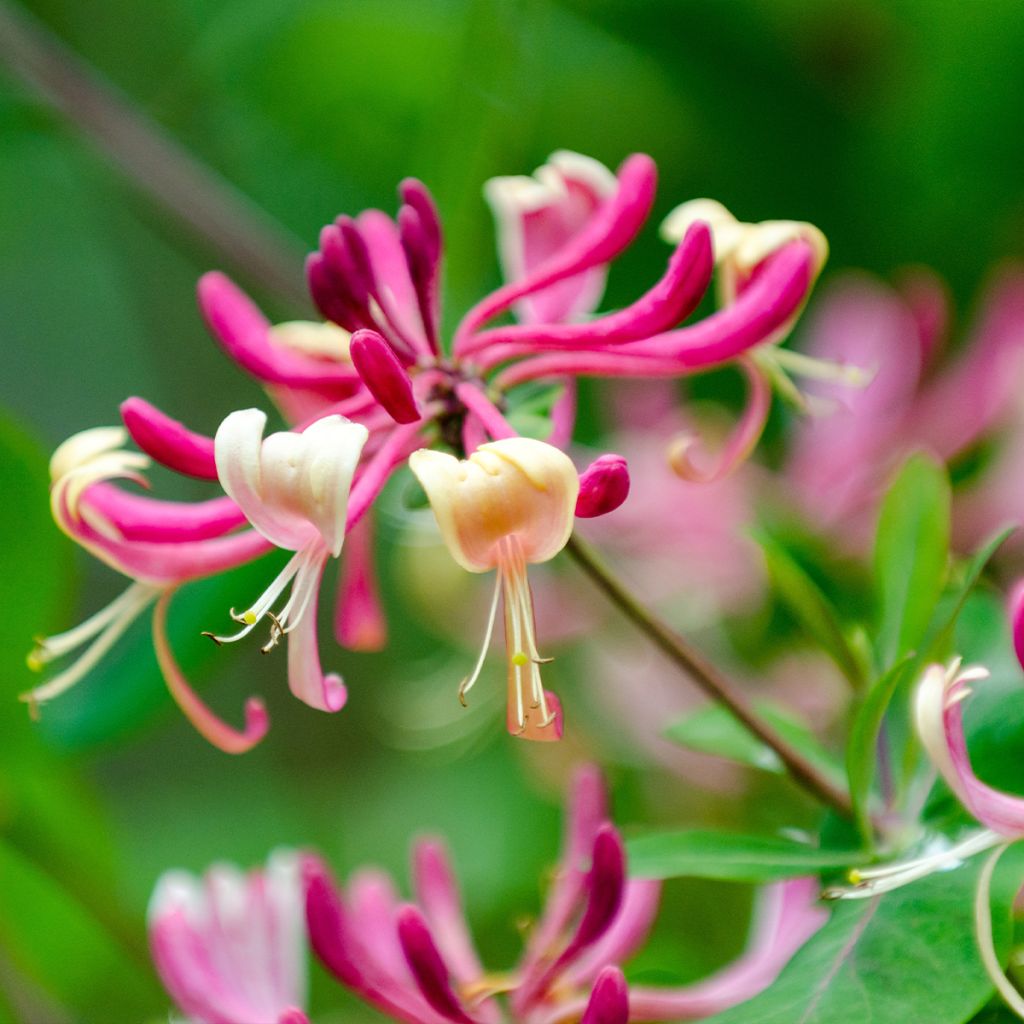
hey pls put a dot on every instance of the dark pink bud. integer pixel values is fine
(427, 965)
(604, 486)
(1016, 609)
(609, 999)
(376, 362)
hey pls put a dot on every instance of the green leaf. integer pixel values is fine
(715, 730)
(729, 857)
(50, 939)
(811, 608)
(911, 553)
(862, 748)
(909, 957)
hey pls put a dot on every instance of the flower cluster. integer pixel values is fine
(374, 385)
(230, 950)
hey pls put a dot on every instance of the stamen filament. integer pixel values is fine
(142, 595)
(467, 684)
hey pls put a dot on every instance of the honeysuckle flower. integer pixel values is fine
(840, 462)
(416, 962)
(230, 947)
(509, 505)
(938, 717)
(294, 490)
(740, 252)
(379, 360)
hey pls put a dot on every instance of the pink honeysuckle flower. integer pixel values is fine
(510, 504)
(230, 947)
(379, 361)
(417, 963)
(536, 217)
(841, 461)
(938, 717)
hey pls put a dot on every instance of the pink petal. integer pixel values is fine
(609, 1001)
(244, 333)
(137, 517)
(306, 679)
(359, 622)
(788, 916)
(206, 723)
(168, 441)
(438, 895)
(427, 965)
(605, 235)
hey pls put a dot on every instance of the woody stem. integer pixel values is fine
(709, 678)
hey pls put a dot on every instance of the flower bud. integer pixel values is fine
(384, 375)
(604, 486)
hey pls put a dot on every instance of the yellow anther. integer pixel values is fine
(249, 617)
(34, 662)
(854, 877)
(520, 659)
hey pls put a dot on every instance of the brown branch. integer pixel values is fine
(707, 677)
(216, 213)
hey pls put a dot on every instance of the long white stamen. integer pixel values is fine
(467, 684)
(252, 616)
(869, 882)
(525, 606)
(142, 595)
(518, 657)
(307, 580)
(51, 647)
(986, 943)
(814, 368)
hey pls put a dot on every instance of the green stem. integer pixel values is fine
(706, 676)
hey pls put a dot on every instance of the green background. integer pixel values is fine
(896, 127)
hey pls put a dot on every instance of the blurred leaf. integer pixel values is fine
(908, 956)
(35, 582)
(49, 937)
(715, 730)
(911, 552)
(862, 748)
(729, 857)
(811, 607)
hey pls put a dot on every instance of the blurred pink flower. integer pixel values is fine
(231, 947)
(416, 962)
(840, 462)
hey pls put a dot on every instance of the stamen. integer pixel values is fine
(109, 626)
(813, 368)
(467, 684)
(867, 882)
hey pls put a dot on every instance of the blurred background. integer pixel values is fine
(895, 127)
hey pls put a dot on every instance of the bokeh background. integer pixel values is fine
(896, 127)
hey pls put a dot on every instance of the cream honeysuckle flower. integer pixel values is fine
(294, 489)
(511, 503)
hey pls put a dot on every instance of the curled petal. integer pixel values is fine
(665, 306)
(606, 234)
(129, 517)
(207, 724)
(604, 486)
(245, 334)
(609, 1001)
(788, 916)
(742, 441)
(512, 487)
(306, 679)
(938, 712)
(1016, 611)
